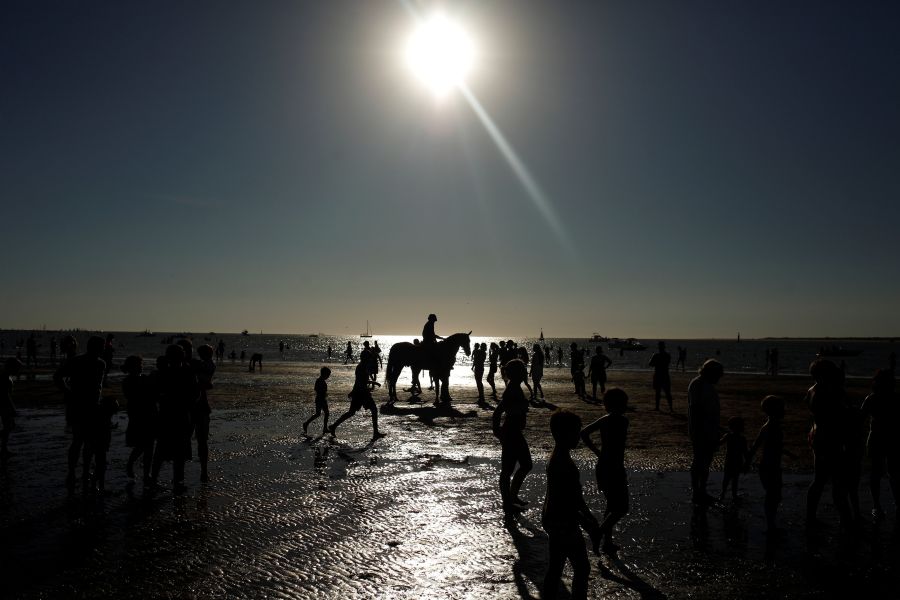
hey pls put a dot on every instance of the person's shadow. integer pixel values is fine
(532, 547)
(629, 579)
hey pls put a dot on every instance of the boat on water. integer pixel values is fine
(368, 333)
(834, 351)
(245, 332)
(146, 333)
(627, 345)
(313, 335)
(599, 338)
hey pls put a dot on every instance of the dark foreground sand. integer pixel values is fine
(415, 515)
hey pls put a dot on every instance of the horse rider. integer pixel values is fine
(429, 339)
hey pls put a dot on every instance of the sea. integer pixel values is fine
(863, 356)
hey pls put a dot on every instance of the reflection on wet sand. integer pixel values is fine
(412, 515)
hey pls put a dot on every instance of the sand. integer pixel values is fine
(416, 514)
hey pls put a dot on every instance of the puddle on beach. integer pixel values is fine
(413, 515)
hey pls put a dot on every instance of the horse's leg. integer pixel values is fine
(437, 387)
(415, 387)
(445, 388)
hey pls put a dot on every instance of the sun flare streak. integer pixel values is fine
(532, 189)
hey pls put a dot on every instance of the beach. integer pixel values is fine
(417, 513)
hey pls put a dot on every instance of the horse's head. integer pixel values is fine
(467, 345)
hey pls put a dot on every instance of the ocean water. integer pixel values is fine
(747, 356)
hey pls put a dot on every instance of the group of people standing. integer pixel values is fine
(165, 409)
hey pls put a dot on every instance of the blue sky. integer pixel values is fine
(716, 167)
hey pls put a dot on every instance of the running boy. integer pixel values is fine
(321, 388)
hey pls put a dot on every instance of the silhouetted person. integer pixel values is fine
(662, 383)
(256, 359)
(11, 368)
(493, 357)
(559, 357)
(703, 426)
(537, 371)
(321, 389)
(376, 352)
(243, 356)
(348, 353)
(882, 406)
(828, 404)
(773, 361)
(140, 395)
(771, 443)
(329, 351)
(179, 391)
(81, 379)
(597, 371)
(479, 355)
(576, 357)
(220, 351)
(511, 433)
(371, 360)
(610, 469)
(565, 512)
(361, 397)
(53, 347)
(735, 456)
(204, 369)
(682, 358)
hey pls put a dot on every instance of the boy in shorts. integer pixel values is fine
(361, 397)
(321, 388)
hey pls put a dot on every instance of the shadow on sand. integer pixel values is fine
(428, 413)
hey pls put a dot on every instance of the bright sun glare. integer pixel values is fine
(440, 54)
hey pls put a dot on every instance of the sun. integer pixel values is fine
(440, 54)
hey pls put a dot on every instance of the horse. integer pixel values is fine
(438, 361)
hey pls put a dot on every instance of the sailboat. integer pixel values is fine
(367, 334)
(542, 335)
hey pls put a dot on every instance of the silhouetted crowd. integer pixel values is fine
(169, 405)
(166, 408)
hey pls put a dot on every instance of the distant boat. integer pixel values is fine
(838, 351)
(542, 335)
(245, 332)
(313, 335)
(599, 338)
(627, 345)
(367, 334)
(146, 333)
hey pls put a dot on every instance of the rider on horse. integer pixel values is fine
(429, 339)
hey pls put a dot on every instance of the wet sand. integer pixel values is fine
(416, 514)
